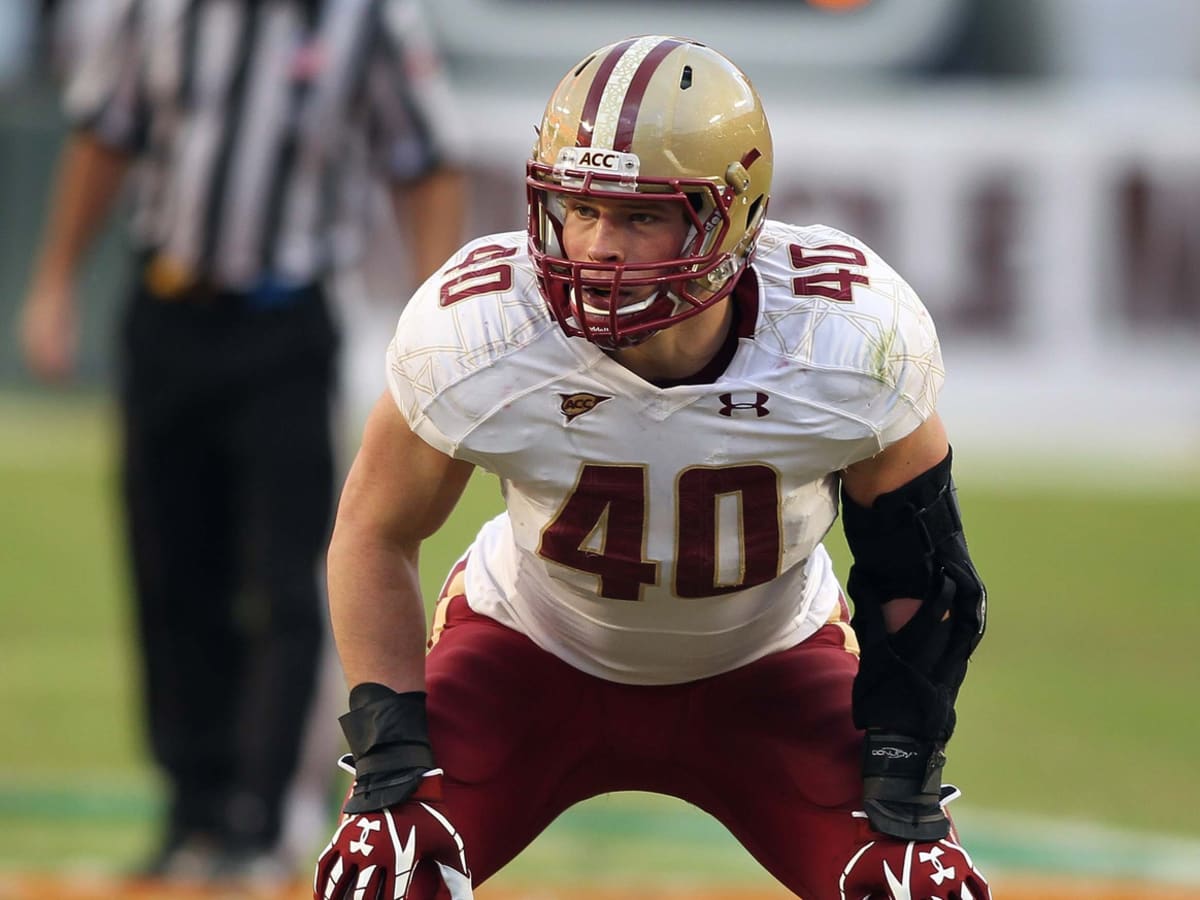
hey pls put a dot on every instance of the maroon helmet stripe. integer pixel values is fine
(587, 122)
(637, 91)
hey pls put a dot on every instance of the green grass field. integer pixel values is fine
(1081, 703)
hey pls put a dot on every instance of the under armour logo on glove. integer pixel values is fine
(361, 845)
(934, 858)
(887, 869)
(374, 855)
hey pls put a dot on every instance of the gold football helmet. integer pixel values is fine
(667, 119)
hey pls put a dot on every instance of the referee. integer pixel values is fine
(251, 130)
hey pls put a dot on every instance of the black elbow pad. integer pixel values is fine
(910, 543)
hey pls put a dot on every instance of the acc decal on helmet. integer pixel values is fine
(669, 120)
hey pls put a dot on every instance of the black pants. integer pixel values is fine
(228, 481)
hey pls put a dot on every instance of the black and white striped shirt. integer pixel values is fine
(257, 123)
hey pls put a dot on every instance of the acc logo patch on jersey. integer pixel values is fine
(577, 404)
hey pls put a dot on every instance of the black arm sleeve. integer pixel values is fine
(910, 543)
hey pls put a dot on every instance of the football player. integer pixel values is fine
(674, 392)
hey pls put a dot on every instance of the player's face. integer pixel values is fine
(624, 232)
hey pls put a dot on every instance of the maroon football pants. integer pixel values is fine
(768, 749)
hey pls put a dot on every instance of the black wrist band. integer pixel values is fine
(382, 718)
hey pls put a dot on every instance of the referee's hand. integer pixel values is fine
(50, 331)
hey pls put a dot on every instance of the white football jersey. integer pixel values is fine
(659, 535)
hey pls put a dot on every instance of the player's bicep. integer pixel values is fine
(399, 488)
(897, 464)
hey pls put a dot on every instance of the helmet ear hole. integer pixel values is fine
(583, 65)
(755, 213)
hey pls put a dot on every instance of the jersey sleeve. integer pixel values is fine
(416, 375)
(103, 95)
(449, 361)
(835, 308)
(902, 365)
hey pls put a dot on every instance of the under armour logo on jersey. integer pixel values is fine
(759, 405)
(361, 845)
(577, 404)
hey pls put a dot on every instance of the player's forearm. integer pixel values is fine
(376, 610)
(89, 177)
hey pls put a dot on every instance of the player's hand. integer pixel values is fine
(374, 855)
(884, 868)
(50, 332)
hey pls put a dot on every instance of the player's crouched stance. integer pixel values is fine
(674, 392)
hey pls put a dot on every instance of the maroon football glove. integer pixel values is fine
(373, 855)
(886, 868)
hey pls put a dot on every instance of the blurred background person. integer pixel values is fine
(18, 27)
(1032, 167)
(252, 131)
